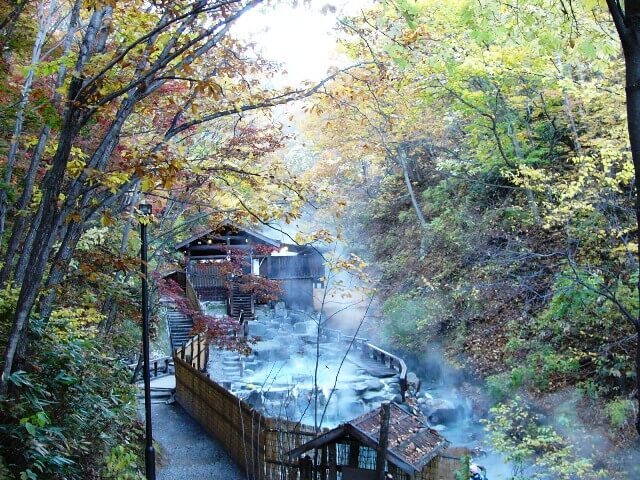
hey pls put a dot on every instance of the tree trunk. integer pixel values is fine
(44, 236)
(21, 221)
(12, 155)
(424, 228)
(627, 23)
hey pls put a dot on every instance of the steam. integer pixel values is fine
(278, 378)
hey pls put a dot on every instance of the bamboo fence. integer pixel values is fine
(195, 352)
(259, 444)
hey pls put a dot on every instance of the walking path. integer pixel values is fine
(185, 450)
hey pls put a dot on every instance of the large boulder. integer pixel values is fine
(374, 385)
(257, 329)
(270, 350)
(280, 310)
(306, 328)
(296, 316)
(431, 404)
(413, 382)
(254, 399)
(446, 416)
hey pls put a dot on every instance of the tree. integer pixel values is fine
(128, 104)
(526, 184)
(627, 22)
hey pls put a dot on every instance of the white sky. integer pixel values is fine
(302, 38)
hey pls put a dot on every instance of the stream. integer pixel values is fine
(277, 379)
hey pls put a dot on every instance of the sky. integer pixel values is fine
(301, 38)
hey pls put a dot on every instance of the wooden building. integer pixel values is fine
(410, 449)
(208, 255)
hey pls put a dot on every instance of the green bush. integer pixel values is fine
(535, 449)
(404, 315)
(72, 415)
(503, 385)
(620, 412)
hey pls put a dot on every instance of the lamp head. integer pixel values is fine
(145, 209)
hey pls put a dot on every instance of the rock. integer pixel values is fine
(280, 310)
(413, 381)
(393, 388)
(297, 316)
(285, 329)
(306, 328)
(397, 398)
(257, 329)
(439, 428)
(254, 399)
(446, 416)
(360, 388)
(262, 313)
(270, 350)
(433, 404)
(372, 396)
(374, 385)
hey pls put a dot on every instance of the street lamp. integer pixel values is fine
(149, 452)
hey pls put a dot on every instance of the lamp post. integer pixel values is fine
(149, 452)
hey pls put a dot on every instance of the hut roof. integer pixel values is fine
(229, 226)
(411, 445)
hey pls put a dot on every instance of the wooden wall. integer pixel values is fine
(258, 444)
(297, 292)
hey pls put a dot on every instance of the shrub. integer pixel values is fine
(68, 414)
(620, 412)
(536, 450)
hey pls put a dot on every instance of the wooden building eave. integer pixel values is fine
(252, 233)
(348, 430)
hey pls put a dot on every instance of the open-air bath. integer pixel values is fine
(292, 374)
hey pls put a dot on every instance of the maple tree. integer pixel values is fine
(106, 104)
(128, 116)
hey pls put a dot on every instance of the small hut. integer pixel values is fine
(297, 268)
(387, 442)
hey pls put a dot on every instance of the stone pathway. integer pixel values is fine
(185, 450)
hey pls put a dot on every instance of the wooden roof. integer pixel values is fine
(229, 226)
(412, 444)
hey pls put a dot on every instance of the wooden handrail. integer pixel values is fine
(372, 351)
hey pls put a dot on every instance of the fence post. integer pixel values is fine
(333, 460)
(199, 367)
(323, 463)
(383, 440)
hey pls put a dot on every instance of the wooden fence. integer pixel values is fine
(195, 352)
(259, 444)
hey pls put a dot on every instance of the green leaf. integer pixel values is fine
(28, 475)
(30, 428)
(20, 379)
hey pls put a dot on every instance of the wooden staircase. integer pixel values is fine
(179, 324)
(241, 302)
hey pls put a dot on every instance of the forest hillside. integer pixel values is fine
(478, 157)
(481, 162)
